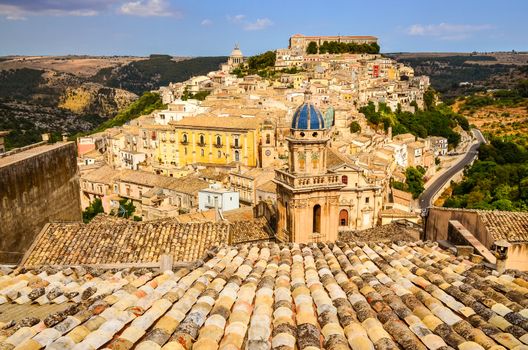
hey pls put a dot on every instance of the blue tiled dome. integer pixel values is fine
(308, 117)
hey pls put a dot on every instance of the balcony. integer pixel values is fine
(201, 144)
(306, 182)
(218, 145)
(184, 142)
(236, 146)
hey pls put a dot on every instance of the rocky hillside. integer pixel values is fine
(93, 98)
(74, 94)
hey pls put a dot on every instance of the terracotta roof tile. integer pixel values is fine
(288, 296)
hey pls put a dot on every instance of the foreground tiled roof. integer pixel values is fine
(268, 296)
(110, 240)
(509, 225)
(128, 242)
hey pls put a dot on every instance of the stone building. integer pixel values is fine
(307, 193)
(235, 59)
(300, 42)
(37, 184)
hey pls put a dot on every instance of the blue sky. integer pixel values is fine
(211, 27)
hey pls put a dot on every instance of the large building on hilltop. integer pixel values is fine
(300, 42)
(307, 194)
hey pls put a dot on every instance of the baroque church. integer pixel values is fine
(308, 194)
(322, 192)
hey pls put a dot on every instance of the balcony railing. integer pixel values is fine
(184, 142)
(218, 145)
(236, 146)
(308, 181)
(201, 144)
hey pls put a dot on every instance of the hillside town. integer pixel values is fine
(260, 208)
(238, 139)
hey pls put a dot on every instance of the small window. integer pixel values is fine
(202, 152)
(219, 154)
(367, 200)
(184, 138)
(237, 156)
(218, 140)
(344, 179)
(202, 139)
(268, 139)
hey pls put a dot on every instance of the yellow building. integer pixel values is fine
(208, 140)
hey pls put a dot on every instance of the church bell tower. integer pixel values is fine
(307, 194)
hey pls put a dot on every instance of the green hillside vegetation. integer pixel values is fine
(497, 180)
(414, 181)
(158, 70)
(434, 121)
(500, 98)
(20, 83)
(448, 72)
(262, 64)
(146, 104)
(334, 47)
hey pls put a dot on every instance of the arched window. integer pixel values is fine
(237, 156)
(184, 138)
(316, 222)
(268, 139)
(202, 152)
(218, 140)
(344, 179)
(343, 217)
(202, 139)
(219, 154)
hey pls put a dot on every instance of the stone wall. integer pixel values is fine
(36, 186)
(437, 224)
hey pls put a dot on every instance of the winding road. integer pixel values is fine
(427, 196)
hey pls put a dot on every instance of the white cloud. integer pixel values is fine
(21, 10)
(148, 8)
(259, 24)
(236, 18)
(447, 31)
(206, 22)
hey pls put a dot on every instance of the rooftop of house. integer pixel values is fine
(187, 184)
(113, 241)
(265, 295)
(104, 174)
(509, 225)
(268, 186)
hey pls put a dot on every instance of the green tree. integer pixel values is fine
(312, 49)
(126, 208)
(429, 99)
(414, 181)
(355, 127)
(95, 207)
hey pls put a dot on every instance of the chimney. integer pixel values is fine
(166, 260)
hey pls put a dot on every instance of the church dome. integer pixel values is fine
(308, 117)
(236, 52)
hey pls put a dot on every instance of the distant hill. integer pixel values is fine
(72, 94)
(157, 71)
(476, 71)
